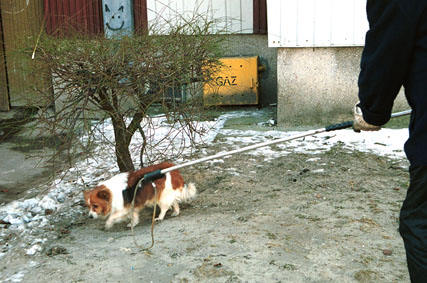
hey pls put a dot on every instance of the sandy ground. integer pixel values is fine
(326, 217)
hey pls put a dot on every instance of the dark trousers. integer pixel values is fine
(413, 224)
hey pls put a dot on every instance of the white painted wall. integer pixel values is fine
(230, 16)
(316, 23)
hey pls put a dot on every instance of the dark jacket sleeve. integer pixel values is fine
(386, 56)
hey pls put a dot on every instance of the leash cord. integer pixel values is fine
(340, 126)
(153, 218)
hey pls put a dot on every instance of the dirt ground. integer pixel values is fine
(328, 217)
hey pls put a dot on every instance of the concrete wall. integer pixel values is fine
(252, 45)
(318, 86)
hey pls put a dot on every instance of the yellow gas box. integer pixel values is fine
(235, 83)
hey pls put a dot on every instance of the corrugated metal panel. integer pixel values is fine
(22, 22)
(140, 15)
(231, 16)
(316, 23)
(74, 15)
(260, 16)
(86, 15)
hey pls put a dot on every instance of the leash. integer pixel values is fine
(153, 217)
(157, 174)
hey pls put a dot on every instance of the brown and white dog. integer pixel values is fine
(113, 198)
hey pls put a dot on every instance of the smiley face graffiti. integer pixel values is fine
(118, 18)
(115, 19)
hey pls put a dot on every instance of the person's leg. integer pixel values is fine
(413, 224)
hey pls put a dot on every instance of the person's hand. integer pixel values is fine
(359, 124)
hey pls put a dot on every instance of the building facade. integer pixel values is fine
(319, 43)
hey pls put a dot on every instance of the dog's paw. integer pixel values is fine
(175, 214)
(158, 219)
(108, 225)
(131, 226)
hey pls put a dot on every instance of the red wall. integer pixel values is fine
(73, 15)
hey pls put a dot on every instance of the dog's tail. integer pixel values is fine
(188, 192)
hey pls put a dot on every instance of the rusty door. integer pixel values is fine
(21, 23)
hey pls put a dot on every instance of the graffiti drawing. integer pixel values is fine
(118, 17)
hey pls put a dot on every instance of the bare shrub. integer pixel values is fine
(127, 79)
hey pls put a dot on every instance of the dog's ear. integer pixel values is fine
(86, 195)
(104, 194)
